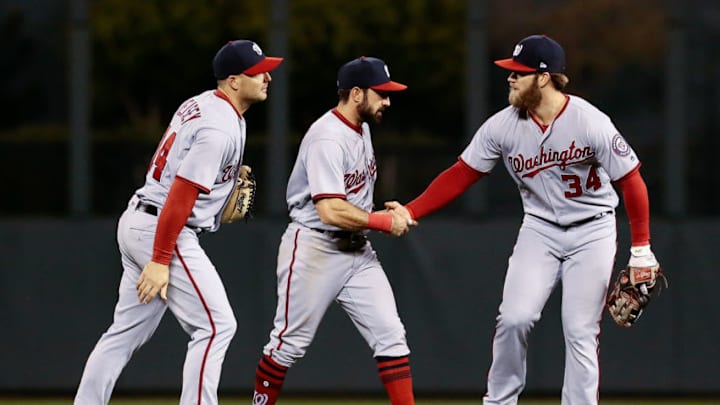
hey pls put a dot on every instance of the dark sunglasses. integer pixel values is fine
(516, 75)
(382, 94)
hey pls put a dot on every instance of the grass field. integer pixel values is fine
(346, 401)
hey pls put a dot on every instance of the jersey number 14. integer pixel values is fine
(159, 160)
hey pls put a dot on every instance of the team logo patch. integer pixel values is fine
(257, 49)
(517, 50)
(259, 399)
(619, 146)
(387, 71)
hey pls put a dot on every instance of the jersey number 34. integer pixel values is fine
(574, 183)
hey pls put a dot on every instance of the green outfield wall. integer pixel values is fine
(59, 280)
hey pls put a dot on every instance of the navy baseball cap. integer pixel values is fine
(367, 73)
(242, 56)
(536, 53)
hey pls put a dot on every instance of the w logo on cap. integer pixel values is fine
(257, 49)
(517, 50)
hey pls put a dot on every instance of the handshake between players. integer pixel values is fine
(402, 218)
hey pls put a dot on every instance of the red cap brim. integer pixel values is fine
(510, 64)
(265, 65)
(389, 86)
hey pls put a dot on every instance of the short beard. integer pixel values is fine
(365, 112)
(528, 100)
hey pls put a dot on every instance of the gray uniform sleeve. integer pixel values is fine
(483, 151)
(614, 154)
(208, 153)
(324, 160)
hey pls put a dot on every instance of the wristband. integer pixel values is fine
(640, 250)
(379, 222)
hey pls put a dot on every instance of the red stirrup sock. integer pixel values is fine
(395, 375)
(269, 378)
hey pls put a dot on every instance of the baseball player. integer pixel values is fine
(186, 188)
(324, 255)
(565, 155)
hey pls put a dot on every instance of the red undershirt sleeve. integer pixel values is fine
(173, 216)
(446, 187)
(637, 206)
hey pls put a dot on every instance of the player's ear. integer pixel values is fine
(543, 79)
(357, 94)
(234, 82)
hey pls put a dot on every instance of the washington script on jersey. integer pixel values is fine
(550, 158)
(355, 181)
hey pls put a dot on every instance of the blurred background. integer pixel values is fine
(89, 86)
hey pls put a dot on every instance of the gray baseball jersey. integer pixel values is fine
(564, 173)
(204, 145)
(206, 149)
(335, 159)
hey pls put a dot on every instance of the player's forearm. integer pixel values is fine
(637, 206)
(446, 187)
(173, 217)
(340, 213)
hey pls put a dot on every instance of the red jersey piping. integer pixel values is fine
(345, 121)
(224, 96)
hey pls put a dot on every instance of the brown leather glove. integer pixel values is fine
(634, 288)
(242, 199)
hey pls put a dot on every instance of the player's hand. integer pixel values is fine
(399, 224)
(400, 209)
(153, 280)
(642, 256)
(643, 268)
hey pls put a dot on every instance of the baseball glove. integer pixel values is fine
(242, 199)
(634, 288)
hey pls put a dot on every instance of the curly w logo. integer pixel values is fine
(259, 399)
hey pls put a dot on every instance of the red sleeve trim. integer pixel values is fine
(173, 216)
(637, 206)
(200, 187)
(447, 186)
(317, 197)
(630, 173)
